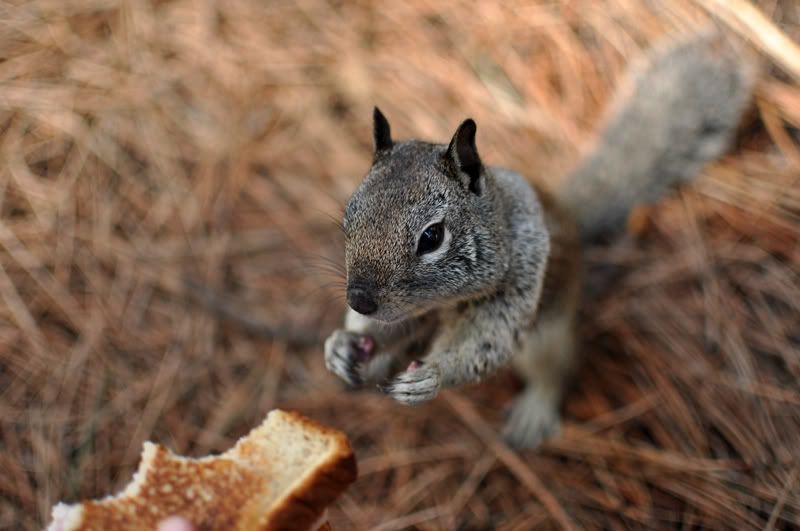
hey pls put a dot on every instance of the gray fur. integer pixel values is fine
(504, 285)
(402, 193)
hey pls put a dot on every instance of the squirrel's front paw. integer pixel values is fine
(347, 353)
(419, 383)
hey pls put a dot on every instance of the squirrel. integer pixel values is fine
(455, 269)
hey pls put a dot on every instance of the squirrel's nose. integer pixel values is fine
(361, 300)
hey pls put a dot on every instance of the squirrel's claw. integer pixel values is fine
(346, 354)
(414, 386)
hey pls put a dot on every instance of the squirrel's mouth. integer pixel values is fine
(389, 316)
(394, 314)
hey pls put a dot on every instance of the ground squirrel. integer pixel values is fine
(468, 268)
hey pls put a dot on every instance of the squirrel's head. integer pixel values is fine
(422, 229)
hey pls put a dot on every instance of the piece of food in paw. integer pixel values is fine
(365, 346)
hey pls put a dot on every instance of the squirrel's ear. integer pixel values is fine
(381, 132)
(463, 152)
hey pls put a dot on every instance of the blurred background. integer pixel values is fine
(171, 176)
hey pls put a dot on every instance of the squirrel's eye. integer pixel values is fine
(431, 239)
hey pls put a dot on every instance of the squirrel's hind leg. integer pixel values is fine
(545, 360)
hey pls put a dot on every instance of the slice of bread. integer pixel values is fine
(281, 476)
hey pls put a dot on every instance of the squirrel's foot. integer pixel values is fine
(347, 354)
(534, 418)
(419, 383)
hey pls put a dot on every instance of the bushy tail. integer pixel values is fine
(677, 111)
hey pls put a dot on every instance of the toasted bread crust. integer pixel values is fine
(306, 503)
(211, 493)
(302, 507)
